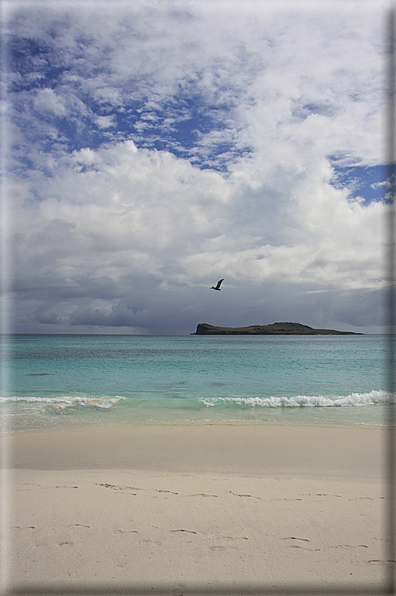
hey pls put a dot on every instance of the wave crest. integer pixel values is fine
(66, 401)
(309, 401)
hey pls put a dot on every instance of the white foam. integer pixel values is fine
(310, 401)
(65, 401)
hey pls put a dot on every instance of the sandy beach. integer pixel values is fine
(178, 509)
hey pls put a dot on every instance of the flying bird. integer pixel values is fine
(217, 285)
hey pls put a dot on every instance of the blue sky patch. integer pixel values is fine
(365, 182)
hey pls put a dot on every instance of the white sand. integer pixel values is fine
(204, 505)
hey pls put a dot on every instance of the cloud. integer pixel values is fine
(239, 79)
(105, 121)
(156, 149)
(46, 101)
(123, 223)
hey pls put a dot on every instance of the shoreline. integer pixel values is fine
(251, 447)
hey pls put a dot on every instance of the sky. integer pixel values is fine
(156, 146)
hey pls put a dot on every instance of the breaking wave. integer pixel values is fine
(300, 401)
(66, 401)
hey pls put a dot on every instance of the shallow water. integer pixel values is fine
(72, 380)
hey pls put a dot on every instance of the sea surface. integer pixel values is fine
(72, 380)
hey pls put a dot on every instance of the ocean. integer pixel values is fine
(53, 381)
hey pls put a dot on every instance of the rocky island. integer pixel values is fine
(273, 329)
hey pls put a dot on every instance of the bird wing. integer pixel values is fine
(219, 283)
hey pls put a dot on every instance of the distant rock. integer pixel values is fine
(273, 329)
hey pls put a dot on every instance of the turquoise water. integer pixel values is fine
(54, 381)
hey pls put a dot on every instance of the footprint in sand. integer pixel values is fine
(242, 495)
